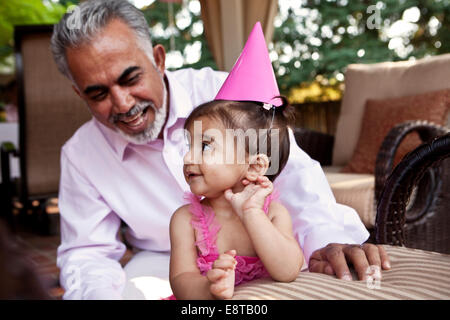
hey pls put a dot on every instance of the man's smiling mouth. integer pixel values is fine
(136, 120)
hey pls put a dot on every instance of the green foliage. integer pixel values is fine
(21, 12)
(327, 35)
(313, 38)
(175, 38)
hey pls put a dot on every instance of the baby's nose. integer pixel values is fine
(188, 158)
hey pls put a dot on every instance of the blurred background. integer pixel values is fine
(310, 42)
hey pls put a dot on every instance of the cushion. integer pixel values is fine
(415, 275)
(380, 81)
(354, 190)
(382, 115)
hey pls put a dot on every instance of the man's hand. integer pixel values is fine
(222, 275)
(335, 257)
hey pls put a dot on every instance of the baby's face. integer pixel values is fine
(214, 161)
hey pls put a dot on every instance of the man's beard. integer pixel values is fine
(153, 130)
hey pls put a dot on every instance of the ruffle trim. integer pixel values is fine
(203, 221)
(249, 268)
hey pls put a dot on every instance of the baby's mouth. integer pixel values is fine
(192, 175)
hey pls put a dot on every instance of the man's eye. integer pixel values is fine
(133, 79)
(99, 96)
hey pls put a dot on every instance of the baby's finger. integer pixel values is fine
(228, 194)
(224, 263)
(231, 252)
(265, 190)
(267, 186)
(250, 188)
(268, 183)
(215, 275)
(227, 255)
(217, 288)
(264, 181)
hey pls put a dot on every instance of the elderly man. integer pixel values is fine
(126, 163)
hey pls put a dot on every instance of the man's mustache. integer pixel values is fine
(141, 106)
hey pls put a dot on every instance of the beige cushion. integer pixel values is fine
(381, 115)
(415, 275)
(379, 81)
(354, 190)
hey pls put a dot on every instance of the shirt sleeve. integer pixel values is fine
(317, 219)
(89, 254)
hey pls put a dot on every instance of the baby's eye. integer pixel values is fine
(206, 146)
(187, 141)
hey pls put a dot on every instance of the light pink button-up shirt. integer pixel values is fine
(105, 179)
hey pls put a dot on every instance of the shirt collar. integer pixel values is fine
(180, 100)
(180, 106)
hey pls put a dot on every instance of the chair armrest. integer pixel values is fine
(424, 216)
(386, 154)
(6, 194)
(317, 145)
(7, 148)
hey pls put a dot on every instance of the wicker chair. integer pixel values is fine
(414, 204)
(335, 150)
(319, 145)
(49, 114)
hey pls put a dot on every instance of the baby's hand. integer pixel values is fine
(252, 197)
(221, 275)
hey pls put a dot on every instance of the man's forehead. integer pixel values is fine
(104, 59)
(116, 31)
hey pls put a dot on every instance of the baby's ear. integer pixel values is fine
(258, 166)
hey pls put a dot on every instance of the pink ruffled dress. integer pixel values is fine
(204, 222)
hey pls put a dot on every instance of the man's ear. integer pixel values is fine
(159, 53)
(258, 166)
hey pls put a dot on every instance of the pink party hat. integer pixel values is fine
(252, 77)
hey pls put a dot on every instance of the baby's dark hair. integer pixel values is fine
(247, 115)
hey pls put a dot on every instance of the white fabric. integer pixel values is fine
(105, 180)
(147, 276)
(316, 216)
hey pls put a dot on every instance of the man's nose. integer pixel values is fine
(122, 100)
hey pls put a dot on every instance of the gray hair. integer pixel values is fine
(87, 20)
